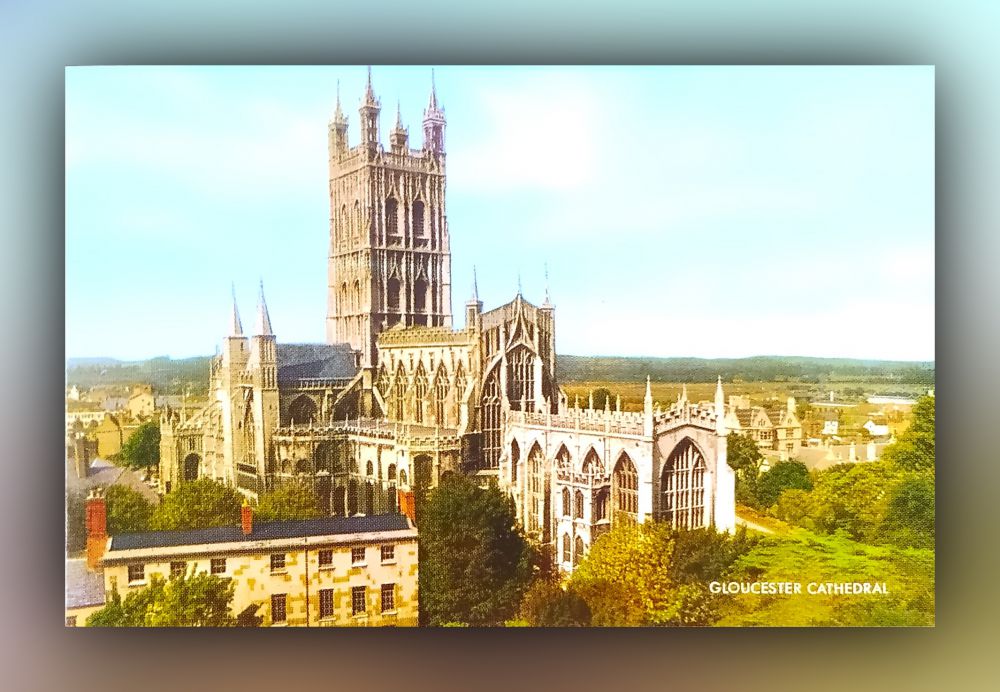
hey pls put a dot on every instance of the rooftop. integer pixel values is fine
(319, 361)
(83, 587)
(300, 528)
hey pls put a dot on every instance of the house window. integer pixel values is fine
(136, 573)
(358, 600)
(218, 565)
(177, 569)
(388, 597)
(357, 556)
(278, 608)
(388, 553)
(326, 558)
(326, 603)
(278, 562)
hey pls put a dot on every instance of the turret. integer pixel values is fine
(338, 130)
(720, 408)
(474, 306)
(263, 361)
(235, 346)
(434, 123)
(399, 135)
(370, 108)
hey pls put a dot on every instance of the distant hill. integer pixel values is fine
(169, 376)
(754, 369)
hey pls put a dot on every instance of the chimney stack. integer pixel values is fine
(246, 518)
(97, 527)
(407, 505)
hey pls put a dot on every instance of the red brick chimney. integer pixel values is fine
(97, 528)
(246, 517)
(407, 505)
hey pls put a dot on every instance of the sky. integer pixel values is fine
(680, 211)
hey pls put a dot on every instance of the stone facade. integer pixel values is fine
(399, 398)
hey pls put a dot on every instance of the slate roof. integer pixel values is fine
(83, 587)
(743, 415)
(300, 528)
(297, 361)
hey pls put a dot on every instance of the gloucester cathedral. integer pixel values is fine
(397, 398)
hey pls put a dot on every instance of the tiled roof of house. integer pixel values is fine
(83, 587)
(327, 526)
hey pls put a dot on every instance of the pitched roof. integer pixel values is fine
(325, 361)
(301, 528)
(83, 587)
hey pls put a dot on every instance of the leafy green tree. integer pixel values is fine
(198, 504)
(142, 448)
(294, 500)
(784, 475)
(649, 574)
(197, 600)
(128, 510)
(474, 562)
(853, 498)
(914, 450)
(909, 520)
(795, 507)
(547, 604)
(745, 458)
(602, 397)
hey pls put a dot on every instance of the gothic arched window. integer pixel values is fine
(398, 394)
(420, 296)
(392, 296)
(461, 383)
(566, 506)
(515, 457)
(682, 487)
(491, 421)
(592, 464)
(391, 217)
(440, 395)
(418, 219)
(420, 386)
(564, 464)
(625, 488)
(536, 487)
(578, 505)
(521, 378)
(357, 295)
(601, 505)
(302, 411)
(567, 555)
(578, 553)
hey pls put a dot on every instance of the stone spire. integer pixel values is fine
(432, 104)
(369, 111)
(369, 91)
(338, 113)
(235, 325)
(263, 326)
(475, 286)
(434, 123)
(548, 300)
(399, 135)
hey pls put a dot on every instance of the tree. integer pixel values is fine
(909, 519)
(547, 604)
(293, 500)
(128, 510)
(198, 504)
(784, 475)
(142, 448)
(914, 450)
(474, 562)
(196, 600)
(745, 458)
(602, 397)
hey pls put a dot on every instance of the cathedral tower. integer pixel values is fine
(389, 257)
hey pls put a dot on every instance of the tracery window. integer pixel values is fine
(398, 394)
(578, 505)
(592, 464)
(521, 378)
(302, 411)
(383, 382)
(391, 217)
(564, 464)
(418, 219)
(566, 506)
(578, 553)
(461, 383)
(491, 422)
(536, 487)
(420, 385)
(625, 489)
(440, 395)
(566, 552)
(601, 505)
(515, 457)
(682, 487)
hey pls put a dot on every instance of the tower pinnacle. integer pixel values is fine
(263, 326)
(235, 325)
